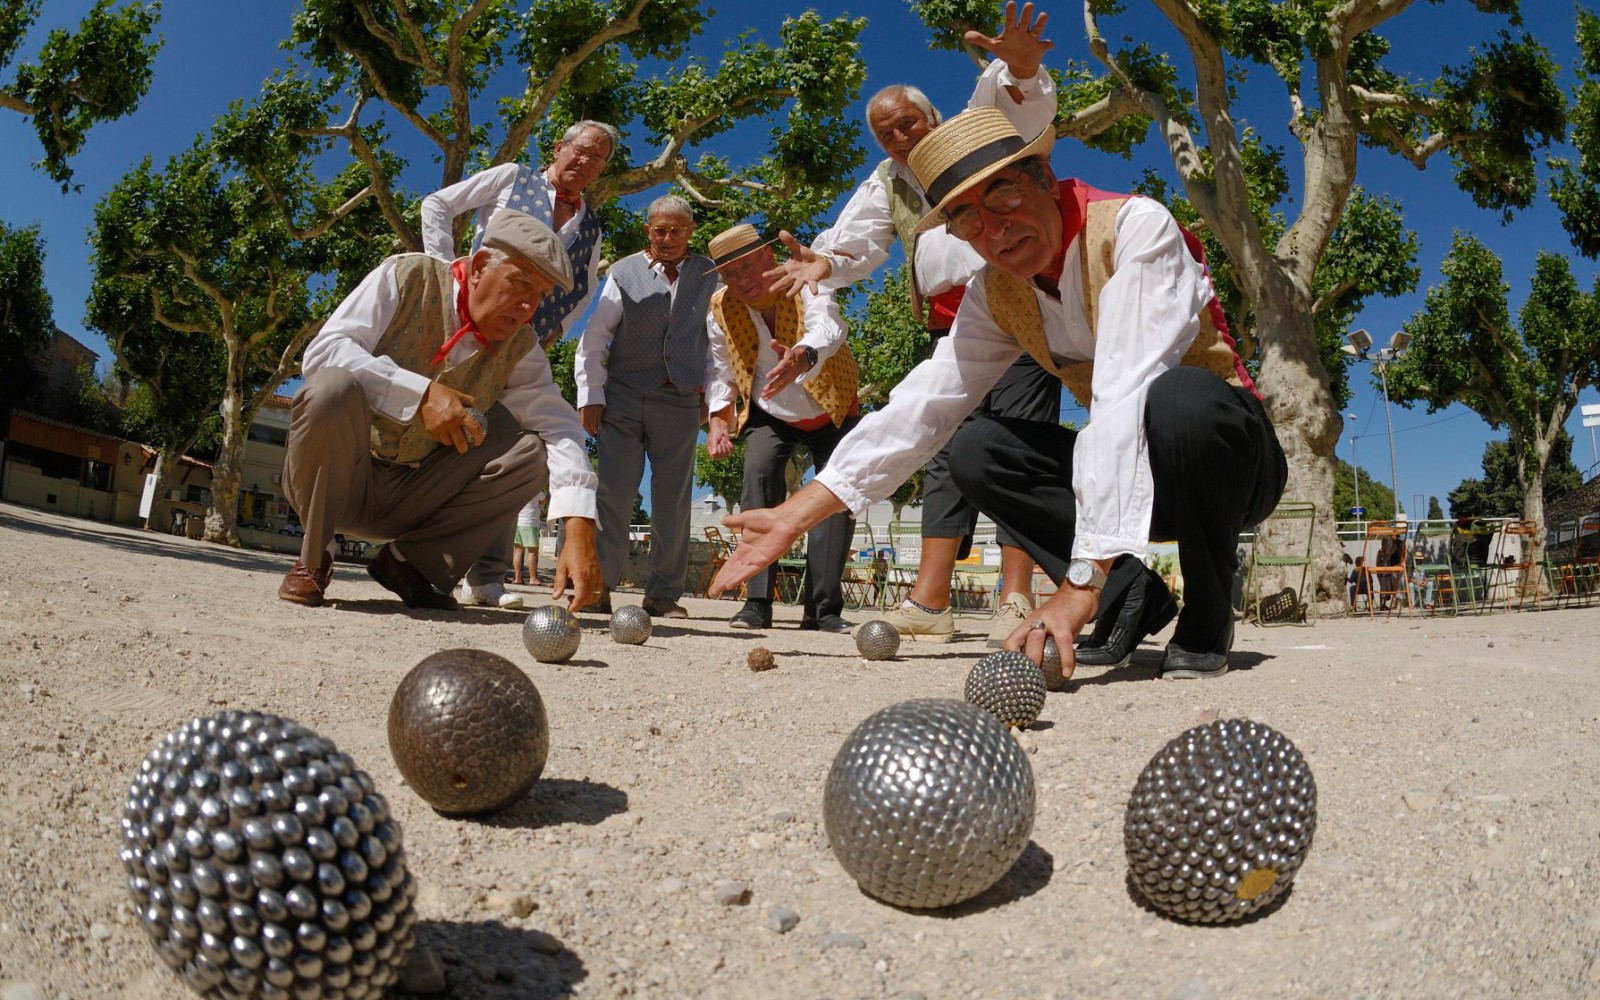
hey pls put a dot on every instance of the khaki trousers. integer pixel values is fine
(441, 514)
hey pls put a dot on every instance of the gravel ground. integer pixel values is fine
(1456, 762)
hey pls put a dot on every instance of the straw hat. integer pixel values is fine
(965, 151)
(732, 244)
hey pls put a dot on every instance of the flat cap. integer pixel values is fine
(521, 234)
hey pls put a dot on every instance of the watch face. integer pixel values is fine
(1079, 572)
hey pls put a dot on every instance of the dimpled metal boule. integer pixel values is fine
(1050, 666)
(929, 802)
(551, 634)
(477, 416)
(878, 640)
(468, 731)
(1220, 821)
(1009, 685)
(630, 625)
(262, 863)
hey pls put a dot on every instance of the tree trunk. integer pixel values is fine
(160, 518)
(1294, 386)
(222, 519)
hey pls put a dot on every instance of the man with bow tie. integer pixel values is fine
(554, 196)
(641, 374)
(384, 440)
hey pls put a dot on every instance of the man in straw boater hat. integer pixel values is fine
(381, 440)
(641, 374)
(785, 361)
(886, 208)
(1108, 293)
(554, 196)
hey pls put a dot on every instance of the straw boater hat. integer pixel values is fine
(965, 151)
(518, 233)
(740, 241)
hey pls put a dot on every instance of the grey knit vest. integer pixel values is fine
(661, 338)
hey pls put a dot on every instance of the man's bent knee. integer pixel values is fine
(972, 456)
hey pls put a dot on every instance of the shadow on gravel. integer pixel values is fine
(561, 800)
(152, 543)
(1144, 904)
(1030, 874)
(1146, 666)
(490, 960)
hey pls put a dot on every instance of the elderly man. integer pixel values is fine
(555, 197)
(641, 372)
(786, 360)
(885, 208)
(387, 436)
(1109, 294)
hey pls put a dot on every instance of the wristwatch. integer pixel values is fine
(1085, 575)
(811, 355)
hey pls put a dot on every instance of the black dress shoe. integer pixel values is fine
(1146, 609)
(402, 578)
(827, 623)
(1183, 664)
(754, 615)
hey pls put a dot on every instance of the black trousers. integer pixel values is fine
(1026, 392)
(768, 445)
(1217, 467)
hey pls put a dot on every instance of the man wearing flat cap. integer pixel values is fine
(429, 417)
(641, 373)
(1109, 294)
(885, 209)
(785, 361)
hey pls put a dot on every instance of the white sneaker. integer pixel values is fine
(1011, 613)
(493, 594)
(916, 624)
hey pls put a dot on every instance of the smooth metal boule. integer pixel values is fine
(1050, 666)
(551, 634)
(1009, 685)
(630, 625)
(468, 731)
(877, 640)
(1220, 821)
(263, 863)
(929, 802)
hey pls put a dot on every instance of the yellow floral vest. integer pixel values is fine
(1016, 309)
(424, 319)
(833, 388)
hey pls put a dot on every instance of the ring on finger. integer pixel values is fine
(1037, 624)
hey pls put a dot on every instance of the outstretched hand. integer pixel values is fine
(764, 536)
(1021, 44)
(804, 268)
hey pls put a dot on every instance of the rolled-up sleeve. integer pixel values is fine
(594, 346)
(1030, 116)
(719, 369)
(350, 334)
(822, 329)
(532, 397)
(487, 189)
(1149, 315)
(861, 238)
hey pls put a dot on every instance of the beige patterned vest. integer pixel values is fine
(1016, 309)
(424, 319)
(833, 388)
(906, 208)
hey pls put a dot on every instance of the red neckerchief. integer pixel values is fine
(458, 270)
(572, 201)
(1071, 223)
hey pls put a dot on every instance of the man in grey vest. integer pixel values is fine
(641, 374)
(422, 355)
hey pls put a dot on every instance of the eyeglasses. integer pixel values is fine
(965, 223)
(668, 232)
(589, 153)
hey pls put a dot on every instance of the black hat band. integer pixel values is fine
(951, 177)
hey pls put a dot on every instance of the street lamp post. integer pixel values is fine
(1355, 470)
(1360, 347)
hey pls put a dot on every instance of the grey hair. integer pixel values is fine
(612, 135)
(1037, 169)
(670, 204)
(914, 95)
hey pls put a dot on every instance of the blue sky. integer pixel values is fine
(216, 52)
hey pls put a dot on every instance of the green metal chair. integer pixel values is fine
(1288, 529)
(1437, 579)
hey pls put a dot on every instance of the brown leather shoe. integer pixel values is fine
(302, 586)
(402, 578)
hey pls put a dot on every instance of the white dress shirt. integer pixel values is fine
(859, 241)
(594, 345)
(349, 336)
(487, 192)
(1149, 316)
(821, 328)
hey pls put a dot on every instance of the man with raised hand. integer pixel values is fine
(428, 416)
(785, 361)
(1109, 294)
(885, 209)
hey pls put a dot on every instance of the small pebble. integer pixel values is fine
(731, 893)
(512, 904)
(839, 939)
(1193, 989)
(99, 931)
(423, 973)
(670, 885)
(782, 919)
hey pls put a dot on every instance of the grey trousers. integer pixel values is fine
(662, 424)
(441, 513)
(768, 444)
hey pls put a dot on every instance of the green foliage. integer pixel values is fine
(886, 338)
(25, 315)
(1575, 187)
(723, 476)
(1499, 492)
(1377, 497)
(1435, 512)
(97, 73)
